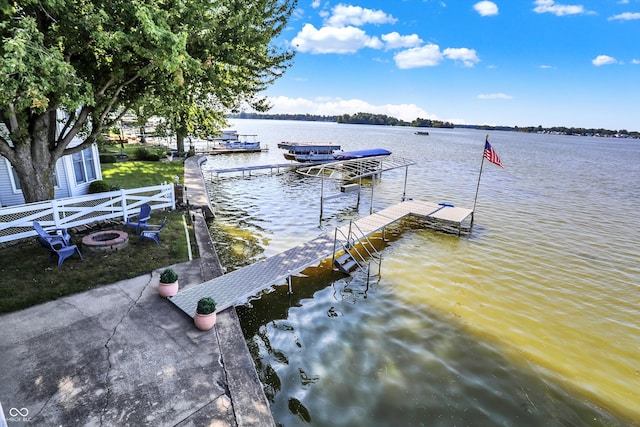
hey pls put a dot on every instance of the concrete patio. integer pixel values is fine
(122, 355)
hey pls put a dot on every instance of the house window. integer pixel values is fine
(84, 166)
(17, 187)
(16, 181)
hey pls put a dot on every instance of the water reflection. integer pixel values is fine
(336, 354)
(530, 320)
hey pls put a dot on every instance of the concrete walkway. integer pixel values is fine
(122, 355)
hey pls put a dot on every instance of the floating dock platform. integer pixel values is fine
(238, 286)
(217, 151)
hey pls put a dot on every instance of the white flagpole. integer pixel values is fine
(475, 200)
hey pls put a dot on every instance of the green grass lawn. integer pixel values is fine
(134, 174)
(29, 279)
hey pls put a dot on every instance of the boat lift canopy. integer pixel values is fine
(350, 170)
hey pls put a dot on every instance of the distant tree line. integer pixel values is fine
(428, 123)
(301, 117)
(579, 131)
(382, 119)
(561, 130)
(359, 118)
(371, 119)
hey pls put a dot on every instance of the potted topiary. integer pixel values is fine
(205, 316)
(168, 285)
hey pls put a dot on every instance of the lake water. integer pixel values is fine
(532, 319)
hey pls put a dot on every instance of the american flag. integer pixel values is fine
(491, 155)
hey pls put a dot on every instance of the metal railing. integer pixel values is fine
(16, 222)
(362, 255)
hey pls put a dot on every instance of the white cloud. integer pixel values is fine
(333, 40)
(339, 38)
(355, 15)
(546, 67)
(627, 16)
(494, 96)
(550, 6)
(486, 8)
(395, 41)
(635, 61)
(467, 56)
(298, 13)
(341, 35)
(603, 60)
(337, 106)
(429, 56)
(425, 56)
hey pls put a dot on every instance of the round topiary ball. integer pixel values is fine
(99, 186)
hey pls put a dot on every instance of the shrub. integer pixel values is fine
(107, 158)
(141, 153)
(99, 186)
(152, 157)
(206, 305)
(168, 276)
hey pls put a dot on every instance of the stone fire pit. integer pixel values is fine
(105, 241)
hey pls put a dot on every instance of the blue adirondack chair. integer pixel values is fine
(54, 235)
(62, 251)
(139, 222)
(152, 232)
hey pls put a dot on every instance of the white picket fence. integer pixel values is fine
(16, 222)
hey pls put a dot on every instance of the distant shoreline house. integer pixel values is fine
(73, 175)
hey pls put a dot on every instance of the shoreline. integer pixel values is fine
(246, 392)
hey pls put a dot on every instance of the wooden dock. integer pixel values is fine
(238, 286)
(270, 167)
(217, 151)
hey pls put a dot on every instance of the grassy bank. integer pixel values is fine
(28, 278)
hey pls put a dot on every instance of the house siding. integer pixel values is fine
(67, 186)
(8, 197)
(62, 190)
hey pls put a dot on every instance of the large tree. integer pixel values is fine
(189, 61)
(232, 67)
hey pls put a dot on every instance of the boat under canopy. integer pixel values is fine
(309, 151)
(359, 154)
(231, 140)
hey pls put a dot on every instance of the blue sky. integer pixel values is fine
(515, 63)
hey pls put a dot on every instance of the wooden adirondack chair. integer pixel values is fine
(152, 232)
(53, 235)
(139, 222)
(62, 251)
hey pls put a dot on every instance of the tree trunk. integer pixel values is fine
(37, 147)
(34, 155)
(180, 135)
(35, 166)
